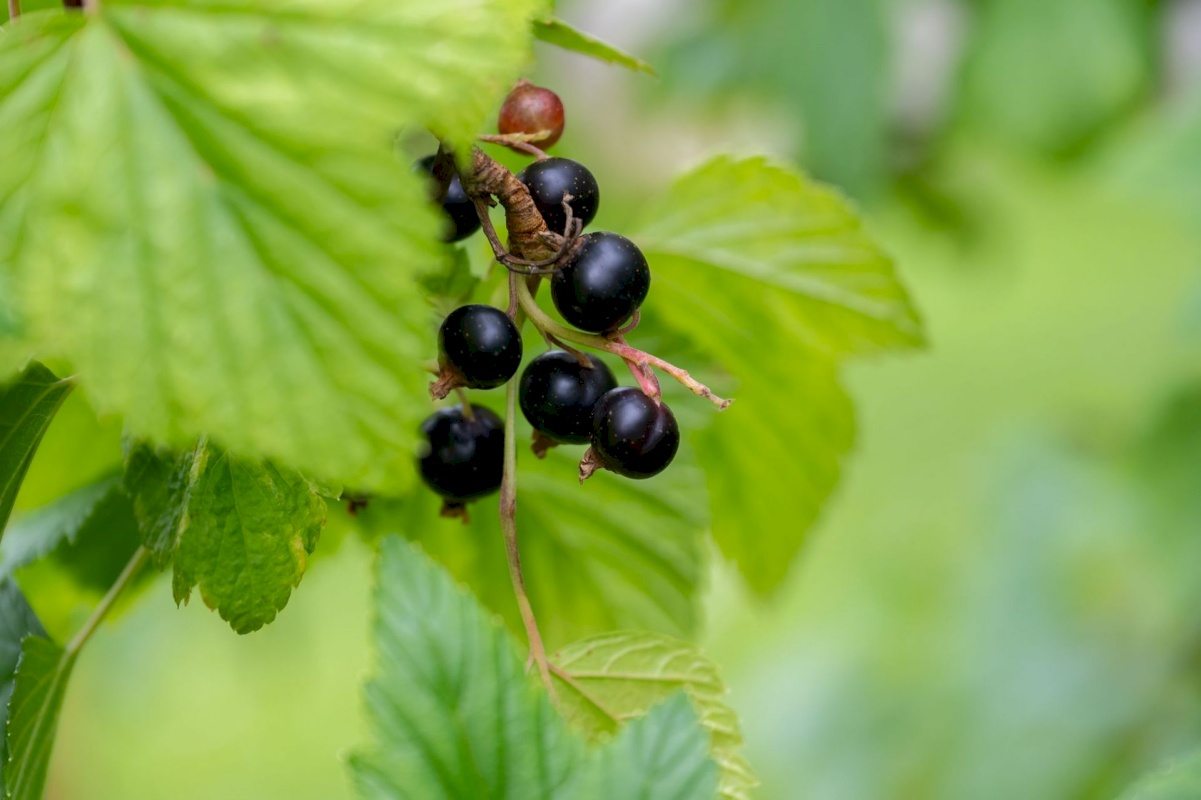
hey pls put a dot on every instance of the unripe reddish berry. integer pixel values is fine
(531, 109)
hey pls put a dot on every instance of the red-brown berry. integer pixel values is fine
(531, 109)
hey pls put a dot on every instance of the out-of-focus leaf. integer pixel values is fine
(37, 700)
(201, 212)
(1048, 76)
(619, 676)
(663, 755)
(775, 279)
(17, 622)
(92, 532)
(826, 61)
(557, 32)
(453, 715)
(27, 406)
(1161, 165)
(611, 553)
(1178, 781)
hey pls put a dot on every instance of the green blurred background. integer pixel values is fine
(1003, 598)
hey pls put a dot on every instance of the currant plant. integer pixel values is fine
(214, 231)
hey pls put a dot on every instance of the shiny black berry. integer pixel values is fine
(603, 285)
(462, 459)
(462, 219)
(480, 346)
(558, 395)
(549, 180)
(633, 436)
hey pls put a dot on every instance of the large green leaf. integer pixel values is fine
(611, 553)
(557, 32)
(37, 700)
(775, 279)
(619, 676)
(200, 210)
(27, 405)
(453, 715)
(92, 532)
(451, 711)
(17, 622)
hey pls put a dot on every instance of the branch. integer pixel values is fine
(123, 580)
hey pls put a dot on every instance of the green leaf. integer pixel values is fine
(663, 755)
(557, 32)
(27, 405)
(92, 532)
(611, 553)
(248, 531)
(453, 715)
(619, 676)
(158, 482)
(201, 212)
(744, 253)
(1178, 781)
(17, 622)
(451, 711)
(37, 700)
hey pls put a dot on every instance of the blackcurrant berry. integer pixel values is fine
(480, 346)
(532, 109)
(603, 285)
(462, 219)
(462, 458)
(552, 178)
(558, 395)
(632, 435)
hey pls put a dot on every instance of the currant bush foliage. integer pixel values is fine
(27, 405)
(17, 623)
(202, 213)
(443, 660)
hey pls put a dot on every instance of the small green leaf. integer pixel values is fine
(611, 553)
(618, 676)
(1178, 781)
(453, 285)
(158, 482)
(745, 252)
(17, 622)
(200, 211)
(663, 755)
(557, 32)
(247, 533)
(37, 700)
(451, 711)
(27, 405)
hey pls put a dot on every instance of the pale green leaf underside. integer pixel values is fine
(557, 32)
(37, 700)
(17, 622)
(611, 553)
(1178, 781)
(773, 277)
(453, 715)
(620, 676)
(201, 211)
(28, 403)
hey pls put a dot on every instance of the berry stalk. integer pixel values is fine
(638, 360)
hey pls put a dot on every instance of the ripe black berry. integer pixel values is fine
(462, 459)
(480, 346)
(532, 109)
(633, 436)
(549, 180)
(558, 395)
(460, 211)
(603, 285)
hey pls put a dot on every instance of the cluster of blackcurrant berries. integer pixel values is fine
(568, 398)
